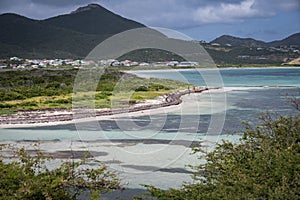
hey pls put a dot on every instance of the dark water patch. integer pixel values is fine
(264, 99)
(37, 141)
(126, 142)
(112, 162)
(153, 169)
(169, 123)
(76, 154)
(126, 194)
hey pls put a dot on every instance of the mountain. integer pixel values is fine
(72, 35)
(291, 40)
(235, 41)
(233, 50)
(93, 19)
(226, 40)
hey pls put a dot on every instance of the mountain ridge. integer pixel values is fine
(293, 39)
(104, 21)
(85, 8)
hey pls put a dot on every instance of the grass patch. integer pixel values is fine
(148, 95)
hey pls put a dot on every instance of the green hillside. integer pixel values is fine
(151, 55)
(67, 36)
(235, 41)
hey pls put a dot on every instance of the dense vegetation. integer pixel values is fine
(151, 55)
(244, 55)
(53, 88)
(27, 177)
(22, 84)
(263, 165)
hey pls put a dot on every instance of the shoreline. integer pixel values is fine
(52, 117)
(210, 68)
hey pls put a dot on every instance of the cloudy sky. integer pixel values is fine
(200, 19)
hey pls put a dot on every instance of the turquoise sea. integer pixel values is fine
(232, 77)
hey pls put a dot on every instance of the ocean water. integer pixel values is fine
(231, 77)
(155, 149)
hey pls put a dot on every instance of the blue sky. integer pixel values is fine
(200, 19)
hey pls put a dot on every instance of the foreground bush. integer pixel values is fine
(265, 164)
(27, 177)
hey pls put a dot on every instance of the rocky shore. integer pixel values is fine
(64, 115)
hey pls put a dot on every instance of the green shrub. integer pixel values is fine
(12, 95)
(6, 105)
(142, 88)
(59, 101)
(27, 177)
(103, 95)
(27, 104)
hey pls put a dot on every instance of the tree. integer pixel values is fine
(27, 177)
(265, 164)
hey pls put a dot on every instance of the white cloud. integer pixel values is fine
(278, 5)
(189, 13)
(153, 12)
(228, 12)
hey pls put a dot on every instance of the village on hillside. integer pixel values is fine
(20, 63)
